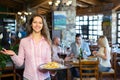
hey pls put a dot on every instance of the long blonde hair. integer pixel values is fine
(44, 31)
(103, 42)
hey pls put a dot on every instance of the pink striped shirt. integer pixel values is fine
(33, 55)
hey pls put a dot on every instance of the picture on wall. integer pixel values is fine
(59, 20)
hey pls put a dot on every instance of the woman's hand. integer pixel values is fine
(68, 58)
(72, 55)
(7, 52)
(53, 73)
(94, 53)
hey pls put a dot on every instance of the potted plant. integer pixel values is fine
(6, 58)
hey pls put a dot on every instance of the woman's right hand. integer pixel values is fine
(7, 52)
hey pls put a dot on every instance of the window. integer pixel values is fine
(118, 27)
(89, 26)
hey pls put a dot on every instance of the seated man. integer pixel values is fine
(80, 44)
(76, 46)
(61, 74)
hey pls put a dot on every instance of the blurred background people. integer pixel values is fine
(5, 40)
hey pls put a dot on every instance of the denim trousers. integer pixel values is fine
(45, 79)
(103, 69)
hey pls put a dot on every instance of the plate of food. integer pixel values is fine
(53, 66)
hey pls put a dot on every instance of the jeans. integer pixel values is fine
(45, 79)
(25, 78)
(75, 72)
(103, 69)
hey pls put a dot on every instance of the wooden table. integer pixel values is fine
(77, 65)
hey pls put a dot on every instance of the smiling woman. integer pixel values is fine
(32, 49)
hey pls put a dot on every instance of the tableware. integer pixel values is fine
(58, 68)
(92, 58)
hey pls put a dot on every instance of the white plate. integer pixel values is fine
(61, 67)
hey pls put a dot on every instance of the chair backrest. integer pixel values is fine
(8, 71)
(89, 68)
(113, 60)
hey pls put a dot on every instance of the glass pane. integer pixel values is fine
(90, 17)
(118, 40)
(80, 31)
(85, 36)
(99, 28)
(90, 22)
(118, 28)
(90, 36)
(100, 17)
(80, 28)
(119, 15)
(85, 22)
(85, 17)
(118, 22)
(90, 32)
(95, 17)
(100, 32)
(99, 22)
(118, 34)
(90, 27)
(77, 31)
(95, 38)
(81, 22)
(95, 23)
(77, 27)
(81, 18)
(77, 18)
(94, 32)
(95, 27)
(77, 23)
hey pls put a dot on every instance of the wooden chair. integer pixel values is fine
(89, 68)
(113, 70)
(8, 71)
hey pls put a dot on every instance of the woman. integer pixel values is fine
(33, 50)
(103, 54)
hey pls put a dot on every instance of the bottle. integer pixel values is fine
(80, 56)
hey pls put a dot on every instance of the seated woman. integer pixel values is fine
(103, 54)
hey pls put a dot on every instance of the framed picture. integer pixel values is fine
(59, 20)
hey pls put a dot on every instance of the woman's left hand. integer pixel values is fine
(53, 73)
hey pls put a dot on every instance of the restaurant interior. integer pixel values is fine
(65, 18)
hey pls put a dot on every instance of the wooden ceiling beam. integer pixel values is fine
(37, 3)
(90, 2)
(10, 4)
(81, 4)
(19, 1)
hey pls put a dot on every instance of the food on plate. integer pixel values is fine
(52, 65)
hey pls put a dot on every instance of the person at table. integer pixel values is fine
(80, 44)
(75, 52)
(103, 54)
(33, 50)
(61, 74)
(56, 50)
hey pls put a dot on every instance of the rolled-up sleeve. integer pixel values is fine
(19, 59)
